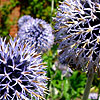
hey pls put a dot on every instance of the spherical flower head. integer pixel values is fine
(22, 73)
(23, 19)
(78, 33)
(38, 32)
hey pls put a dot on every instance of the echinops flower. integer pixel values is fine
(37, 32)
(22, 73)
(78, 33)
(23, 19)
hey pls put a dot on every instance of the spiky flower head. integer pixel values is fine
(78, 33)
(37, 32)
(23, 19)
(22, 75)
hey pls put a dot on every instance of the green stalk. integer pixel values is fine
(88, 86)
(52, 8)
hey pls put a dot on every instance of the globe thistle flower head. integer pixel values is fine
(37, 32)
(22, 75)
(23, 19)
(78, 33)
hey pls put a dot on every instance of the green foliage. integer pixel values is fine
(5, 11)
(60, 86)
(38, 8)
(4, 20)
(78, 81)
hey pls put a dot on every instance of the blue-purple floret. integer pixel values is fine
(22, 74)
(37, 32)
(23, 19)
(77, 31)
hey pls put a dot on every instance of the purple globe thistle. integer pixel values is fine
(23, 19)
(37, 32)
(78, 33)
(22, 73)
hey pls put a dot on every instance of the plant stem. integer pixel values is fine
(52, 8)
(88, 86)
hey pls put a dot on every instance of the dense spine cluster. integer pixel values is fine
(22, 73)
(37, 32)
(23, 19)
(78, 33)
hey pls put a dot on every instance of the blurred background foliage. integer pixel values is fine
(61, 85)
(35, 8)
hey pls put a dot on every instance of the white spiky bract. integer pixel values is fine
(22, 73)
(78, 33)
(37, 32)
